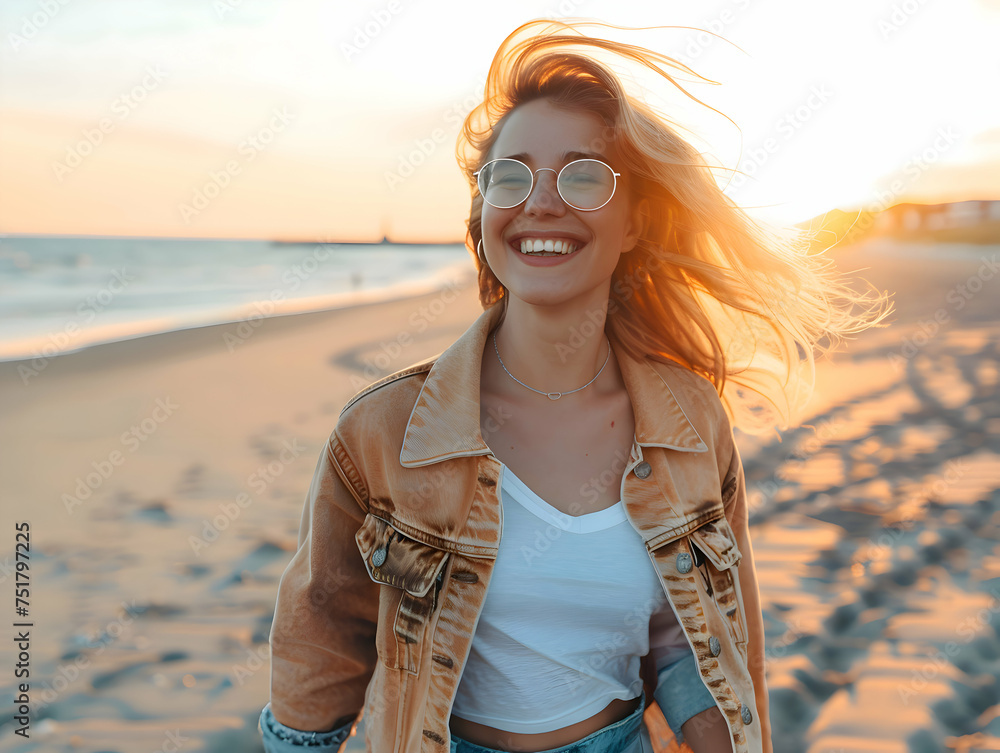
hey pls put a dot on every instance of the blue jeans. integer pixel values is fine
(627, 735)
(278, 738)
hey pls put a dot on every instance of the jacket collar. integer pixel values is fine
(445, 421)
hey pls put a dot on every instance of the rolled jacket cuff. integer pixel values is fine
(281, 739)
(681, 693)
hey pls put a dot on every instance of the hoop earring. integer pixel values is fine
(482, 259)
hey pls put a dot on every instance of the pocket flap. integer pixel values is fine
(397, 560)
(717, 542)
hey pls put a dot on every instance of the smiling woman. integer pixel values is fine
(759, 306)
(551, 581)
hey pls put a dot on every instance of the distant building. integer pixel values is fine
(916, 217)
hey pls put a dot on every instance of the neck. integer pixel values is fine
(552, 349)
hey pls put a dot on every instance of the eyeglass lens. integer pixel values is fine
(583, 184)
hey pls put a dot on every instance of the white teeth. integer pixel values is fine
(537, 245)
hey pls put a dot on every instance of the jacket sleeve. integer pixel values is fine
(323, 635)
(737, 514)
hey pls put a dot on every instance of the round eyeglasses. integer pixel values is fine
(584, 184)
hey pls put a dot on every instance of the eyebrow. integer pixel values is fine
(567, 156)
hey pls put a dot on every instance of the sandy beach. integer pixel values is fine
(163, 481)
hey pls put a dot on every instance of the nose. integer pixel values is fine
(544, 197)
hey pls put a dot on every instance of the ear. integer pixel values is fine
(636, 226)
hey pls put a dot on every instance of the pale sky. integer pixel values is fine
(308, 119)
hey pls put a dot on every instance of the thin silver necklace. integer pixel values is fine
(550, 395)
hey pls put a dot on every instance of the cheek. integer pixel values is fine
(609, 230)
(486, 217)
(491, 229)
(492, 222)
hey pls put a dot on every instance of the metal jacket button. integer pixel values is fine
(745, 714)
(643, 470)
(378, 557)
(714, 646)
(683, 562)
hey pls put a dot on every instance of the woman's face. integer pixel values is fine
(540, 134)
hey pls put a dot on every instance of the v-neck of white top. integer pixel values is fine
(593, 521)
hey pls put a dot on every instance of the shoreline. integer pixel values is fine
(32, 348)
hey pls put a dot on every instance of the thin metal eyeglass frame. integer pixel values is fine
(614, 187)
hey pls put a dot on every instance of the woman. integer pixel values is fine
(585, 416)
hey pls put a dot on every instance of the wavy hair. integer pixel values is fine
(741, 302)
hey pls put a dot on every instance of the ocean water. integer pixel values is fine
(61, 294)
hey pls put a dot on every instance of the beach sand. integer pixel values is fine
(163, 480)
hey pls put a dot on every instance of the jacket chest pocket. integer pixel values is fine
(717, 557)
(410, 574)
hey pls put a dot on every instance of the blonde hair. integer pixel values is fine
(738, 301)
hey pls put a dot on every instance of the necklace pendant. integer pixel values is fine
(554, 395)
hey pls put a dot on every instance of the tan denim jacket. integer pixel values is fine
(377, 610)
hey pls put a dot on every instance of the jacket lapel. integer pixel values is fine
(445, 424)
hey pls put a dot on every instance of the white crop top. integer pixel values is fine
(566, 619)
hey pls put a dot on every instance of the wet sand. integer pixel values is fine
(163, 480)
